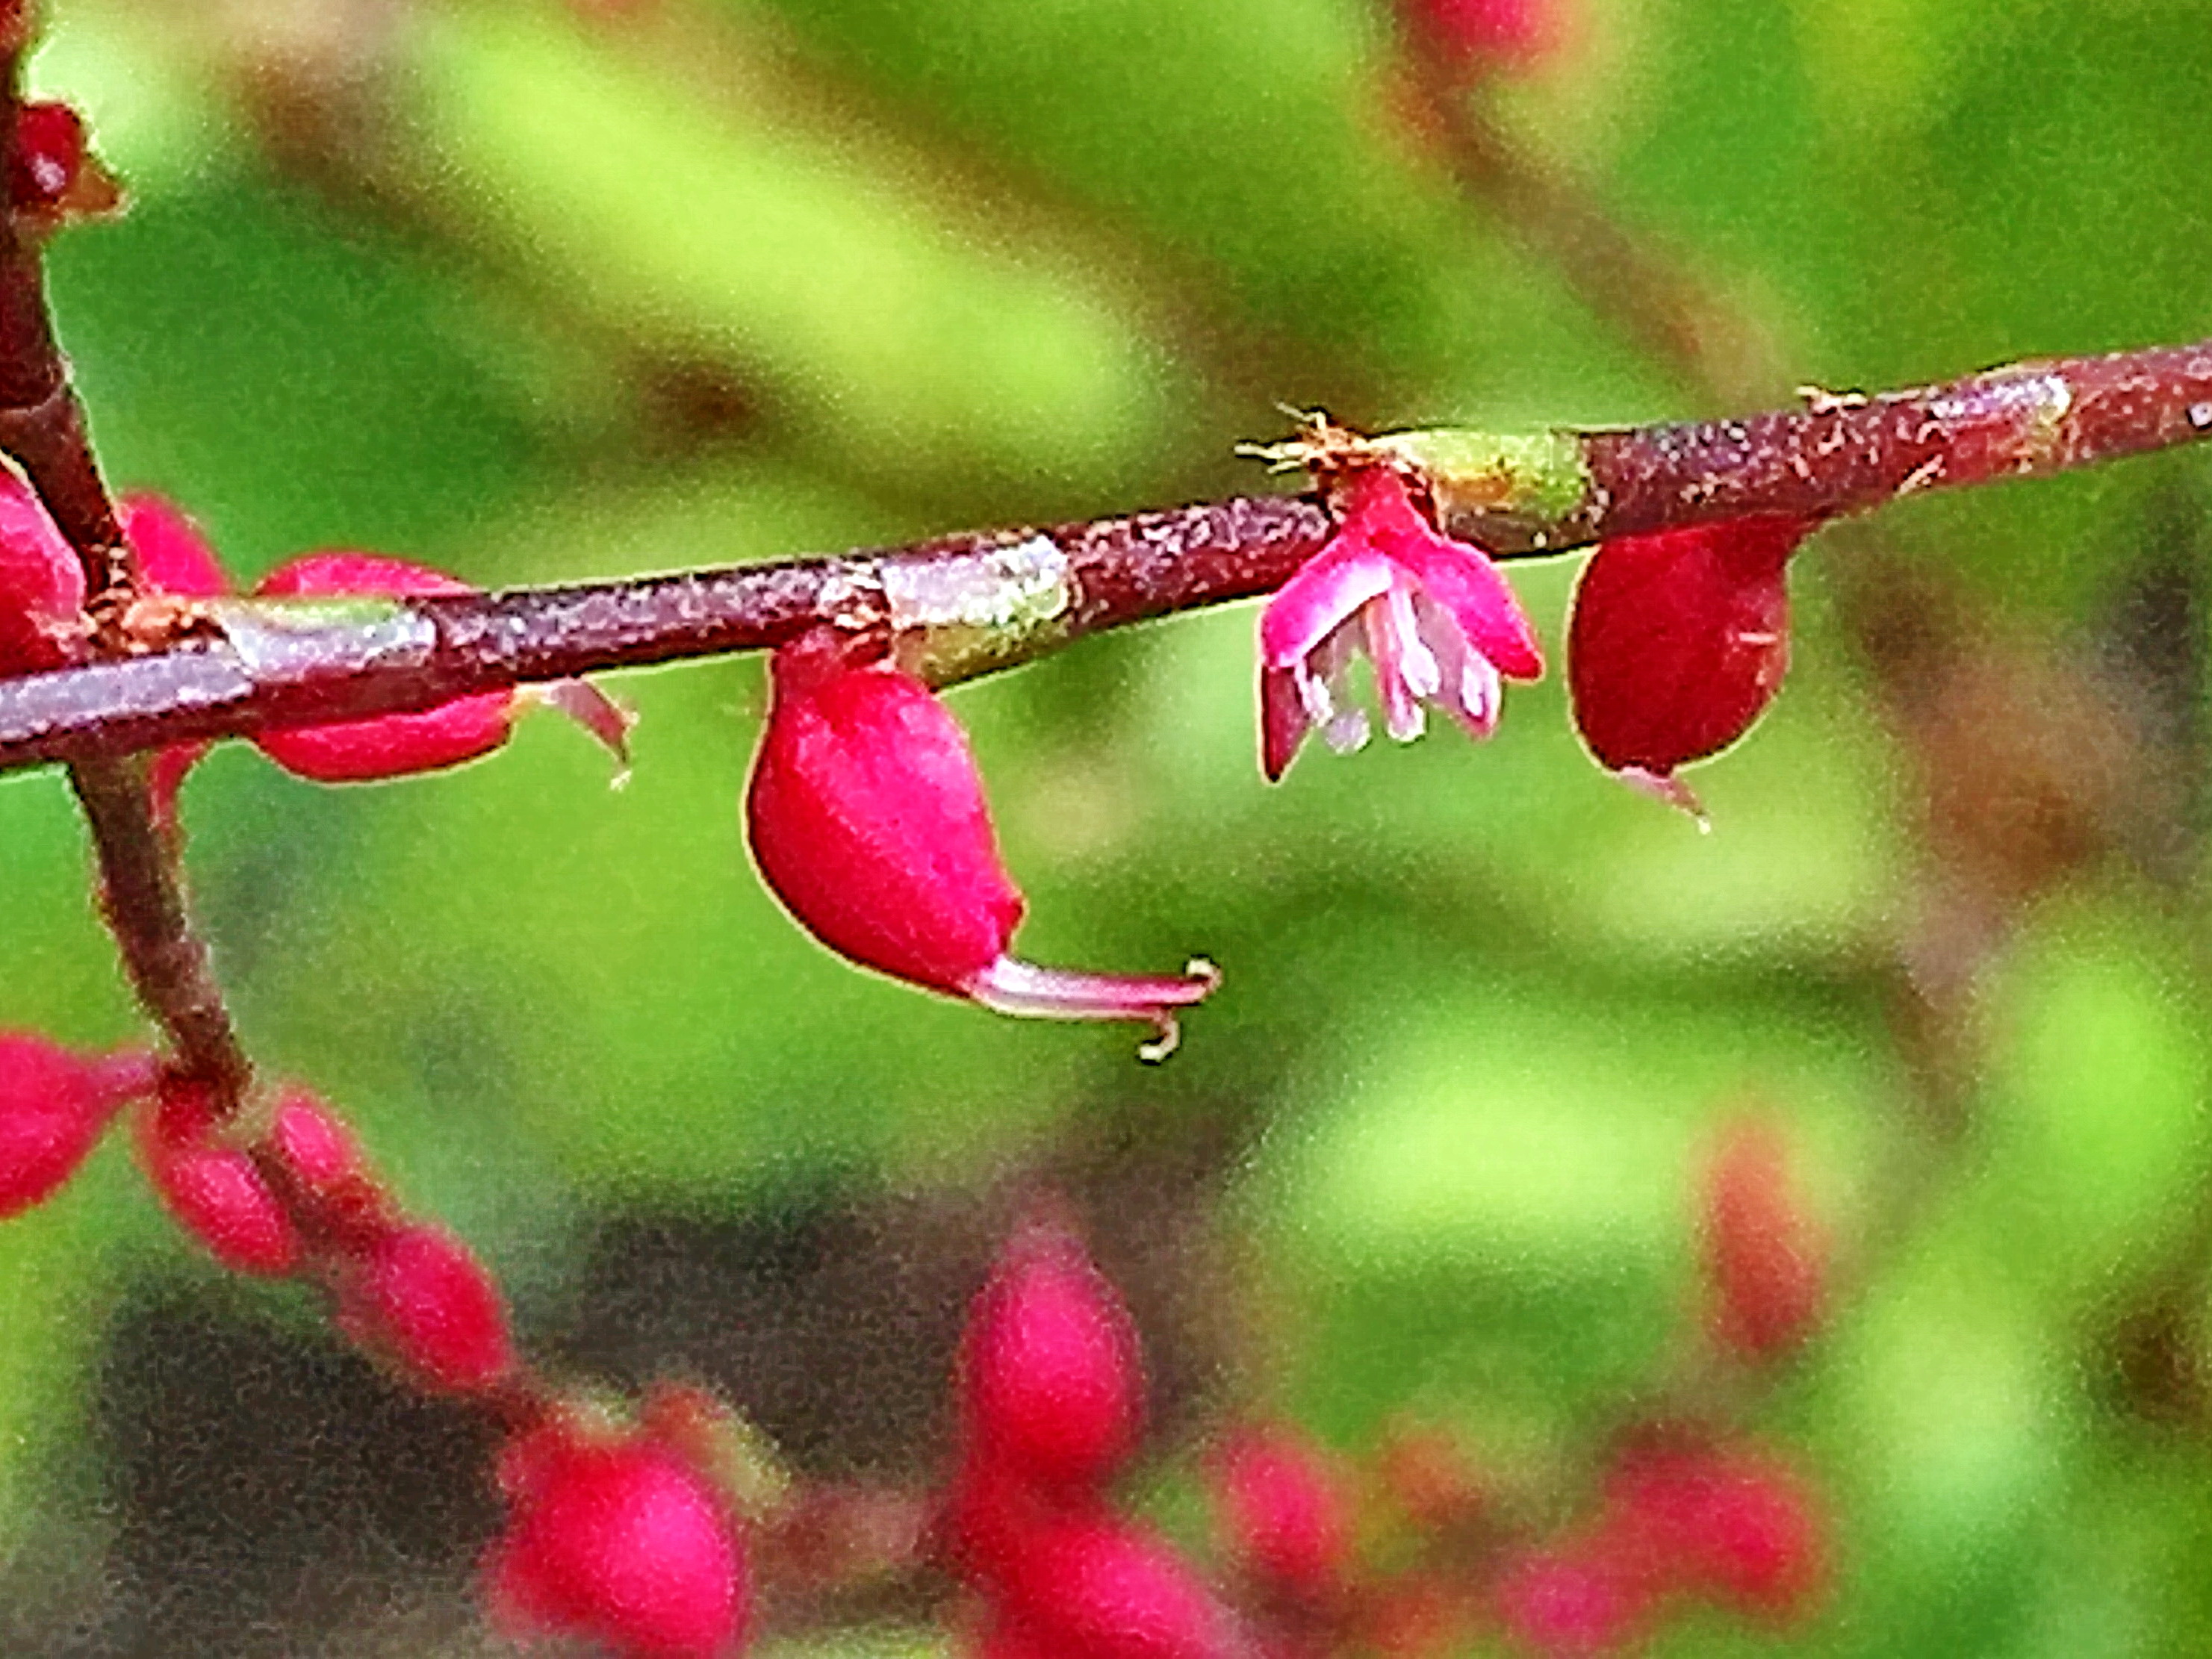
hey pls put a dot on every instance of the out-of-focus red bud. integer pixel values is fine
(1283, 1512)
(1678, 642)
(865, 815)
(1506, 34)
(317, 1147)
(214, 1192)
(988, 1514)
(1090, 1586)
(1568, 1601)
(54, 1106)
(41, 584)
(1734, 1524)
(418, 1295)
(1051, 1381)
(1765, 1257)
(618, 1541)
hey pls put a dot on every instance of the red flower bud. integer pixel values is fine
(54, 1106)
(49, 150)
(41, 584)
(173, 556)
(52, 175)
(214, 1192)
(1736, 1525)
(1569, 1600)
(1679, 641)
(1050, 1378)
(391, 745)
(317, 1148)
(616, 1541)
(1088, 1586)
(867, 817)
(1283, 1511)
(422, 1298)
(1765, 1258)
(1510, 34)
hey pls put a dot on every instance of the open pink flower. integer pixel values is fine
(1436, 616)
(865, 815)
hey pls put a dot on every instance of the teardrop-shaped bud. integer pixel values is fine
(619, 1540)
(1089, 1585)
(213, 1190)
(867, 817)
(1284, 1512)
(1679, 641)
(418, 1295)
(54, 1105)
(391, 745)
(1051, 1383)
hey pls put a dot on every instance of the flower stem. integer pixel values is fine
(1519, 495)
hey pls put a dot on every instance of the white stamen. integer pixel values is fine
(1415, 663)
(1346, 731)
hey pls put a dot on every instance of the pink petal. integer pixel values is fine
(1283, 720)
(1328, 589)
(1462, 581)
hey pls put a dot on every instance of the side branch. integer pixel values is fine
(971, 604)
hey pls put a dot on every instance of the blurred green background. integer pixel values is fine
(536, 291)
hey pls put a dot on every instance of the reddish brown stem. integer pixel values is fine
(42, 431)
(1843, 454)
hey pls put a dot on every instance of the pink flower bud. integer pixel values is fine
(173, 556)
(418, 1295)
(41, 584)
(1737, 1525)
(1679, 641)
(1088, 1586)
(619, 1541)
(1284, 1513)
(1569, 1600)
(54, 1106)
(391, 745)
(1765, 1258)
(1050, 1377)
(214, 1192)
(867, 817)
(316, 1146)
(1508, 34)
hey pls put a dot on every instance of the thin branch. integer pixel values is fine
(42, 430)
(970, 604)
